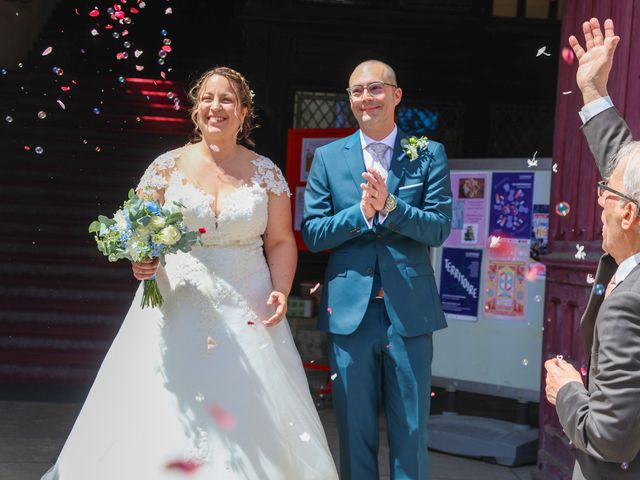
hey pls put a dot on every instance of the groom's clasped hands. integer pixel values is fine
(374, 192)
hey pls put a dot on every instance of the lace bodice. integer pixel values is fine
(242, 213)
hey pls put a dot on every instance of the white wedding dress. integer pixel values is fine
(200, 387)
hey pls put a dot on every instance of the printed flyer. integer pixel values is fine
(506, 288)
(468, 225)
(511, 204)
(460, 283)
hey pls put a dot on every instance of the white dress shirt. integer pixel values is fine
(624, 269)
(594, 107)
(390, 141)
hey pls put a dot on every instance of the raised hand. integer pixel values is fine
(375, 188)
(594, 64)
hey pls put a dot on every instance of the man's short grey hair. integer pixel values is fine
(630, 153)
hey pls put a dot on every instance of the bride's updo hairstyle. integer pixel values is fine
(240, 87)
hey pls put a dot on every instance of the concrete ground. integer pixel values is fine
(32, 434)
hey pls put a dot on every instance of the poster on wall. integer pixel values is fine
(539, 230)
(469, 219)
(460, 283)
(309, 146)
(506, 288)
(511, 204)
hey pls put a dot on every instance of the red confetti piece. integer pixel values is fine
(108, 27)
(64, 88)
(94, 13)
(202, 230)
(27, 148)
(223, 418)
(119, 14)
(47, 51)
(134, 10)
(120, 55)
(583, 371)
(250, 323)
(166, 48)
(186, 466)
(567, 55)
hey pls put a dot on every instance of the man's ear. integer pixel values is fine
(630, 215)
(397, 94)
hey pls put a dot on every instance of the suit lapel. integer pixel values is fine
(397, 165)
(354, 158)
(606, 268)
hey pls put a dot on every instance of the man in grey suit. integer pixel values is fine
(602, 419)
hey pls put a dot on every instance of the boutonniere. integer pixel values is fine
(414, 146)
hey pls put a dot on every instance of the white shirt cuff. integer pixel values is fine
(382, 217)
(593, 108)
(368, 222)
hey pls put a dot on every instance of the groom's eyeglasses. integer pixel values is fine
(374, 88)
(602, 187)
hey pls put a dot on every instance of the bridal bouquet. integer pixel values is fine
(140, 231)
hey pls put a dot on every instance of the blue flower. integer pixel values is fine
(152, 207)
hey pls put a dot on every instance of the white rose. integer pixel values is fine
(157, 222)
(168, 235)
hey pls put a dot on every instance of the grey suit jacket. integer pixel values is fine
(603, 419)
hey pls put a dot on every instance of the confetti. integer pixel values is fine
(64, 88)
(329, 310)
(95, 32)
(94, 13)
(433, 394)
(590, 279)
(223, 418)
(187, 466)
(163, 75)
(199, 397)
(137, 53)
(563, 209)
(168, 11)
(211, 343)
(42, 114)
(61, 104)
(532, 162)
(250, 323)
(139, 68)
(599, 289)
(568, 92)
(580, 254)
(96, 110)
(314, 289)
(305, 437)
(47, 51)
(8, 119)
(494, 241)
(525, 362)
(624, 466)
(538, 298)
(97, 149)
(39, 150)
(543, 51)
(555, 168)
(583, 371)
(536, 270)
(560, 357)
(334, 376)
(567, 55)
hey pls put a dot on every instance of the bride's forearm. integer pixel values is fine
(282, 258)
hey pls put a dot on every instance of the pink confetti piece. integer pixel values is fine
(224, 419)
(329, 310)
(47, 51)
(108, 27)
(61, 104)
(119, 14)
(120, 56)
(166, 48)
(94, 13)
(125, 33)
(27, 148)
(583, 371)
(64, 88)
(567, 55)
(186, 466)
(433, 394)
(134, 10)
(163, 75)
(139, 68)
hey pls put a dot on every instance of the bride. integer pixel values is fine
(210, 385)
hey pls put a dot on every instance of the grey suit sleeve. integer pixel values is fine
(605, 423)
(605, 134)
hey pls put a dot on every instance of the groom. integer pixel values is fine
(379, 203)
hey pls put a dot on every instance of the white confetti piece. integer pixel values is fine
(543, 51)
(305, 437)
(580, 254)
(532, 162)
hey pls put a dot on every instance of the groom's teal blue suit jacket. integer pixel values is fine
(397, 248)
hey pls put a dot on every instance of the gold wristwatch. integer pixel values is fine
(390, 205)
